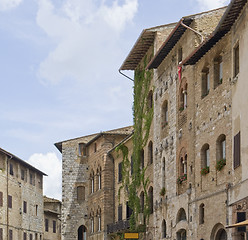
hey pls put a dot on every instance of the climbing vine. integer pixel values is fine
(142, 117)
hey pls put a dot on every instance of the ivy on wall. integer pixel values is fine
(142, 117)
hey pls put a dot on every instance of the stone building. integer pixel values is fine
(21, 199)
(52, 219)
(199, 126)
(87, 184)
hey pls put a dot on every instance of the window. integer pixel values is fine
(11, 170)
(183, 96)
(81, 193)
(92, 224)
(92, 182)
(95, 147)
(180, 55)
(150, 153)
(236, 152)
(164, 117)
(120, 212)
(163, 172)
(221, 147)
(30, 236)
(236, 60)
(183, 162)
(150, 100)
(1, 199)
(205, 156)
(120, 172)
(31, 178)
(129, 211)
(205, 82)
(36, 210)
(150, 197)
(100, 178)
(40, 181)
(218, 71)
(10, 234)
(163, 229)
(24, 206)
(82, 150)
(201, 214)
(241, 216)
(22, 174)
(36, 236)
(142, 201)
(142, 158)
(24, 236)
(46, 225)
(9, 201)
(181, 215)
(1, 234)
(54, 226)
(99, 220)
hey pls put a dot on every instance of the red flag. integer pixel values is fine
(179, 70)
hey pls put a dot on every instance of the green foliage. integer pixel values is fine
(142, 117)
(220, 164)
(182, 178)
(162, 191)
(205, 171)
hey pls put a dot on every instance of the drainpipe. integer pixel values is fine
(125, 76)
(184, 25)
(7, 190)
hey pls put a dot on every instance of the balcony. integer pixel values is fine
(118, 226)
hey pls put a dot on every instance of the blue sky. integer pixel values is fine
(59, 62)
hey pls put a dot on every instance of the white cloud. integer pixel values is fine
(52, 166)
(211, 4)
(9, 4)
(85, 34)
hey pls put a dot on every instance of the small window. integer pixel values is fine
(221, 147)
(201, 214)
(205, 82)
(92, 182)
(218, 71)
(54, 226)
(150, 100)
(22, 174)
(164, 229)
(120, 212)
(9, 201)
(82, 150)
(31, 178)
(150, 197)
(99, 220)
(11, 170)
(241, 216)
(24, 236)
(236, 152)
(10, 234)
(46, 225)
(100, 178)
(205, 155)
(1, 199)
(129, 211)
(92, 224)
(236, 60)
(150, 153)
(36, 210)
(30, 236)
(181, 215)
(120, 172)
(95, 147)
(142, 159)
(180, 55)
(80, 193)
(1, 234)
(24, 206)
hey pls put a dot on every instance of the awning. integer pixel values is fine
(240, 224)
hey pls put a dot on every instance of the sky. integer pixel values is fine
(59, 62)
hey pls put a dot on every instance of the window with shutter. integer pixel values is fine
(236, 151)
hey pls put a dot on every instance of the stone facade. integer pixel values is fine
(87, 184)
(21, 199)
(52, 219)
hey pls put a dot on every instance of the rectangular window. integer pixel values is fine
(24, 236)
(24, 206)
(207, 158)
(36, 210)
(9, 201)
(99, 223)
(30, 236)
(46, 225)
(22, 174)
(120, 212)
(1, 199)
(31, 178)
(1, 234)
(10, 234)
(236, 60)
(236, 151)
(92, 224)
(223, 148)
(54, 226)
(241, 216)
(120, 172)
(11, 170)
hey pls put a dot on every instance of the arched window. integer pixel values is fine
(181, 234)
(81, 233)
(181, 215)
(99, 178)
(99, 219)
(150, 196)
(205, 82)
(92, 182)
(150, 153)
(165, 114)
(142, 201)
(92, 222)
(163, 229)
(163, 172)
(221, 147)
(142, 164)
(201, 214)
(205, 156)
(80, 193)
(183, 162)
(218, 71)
(150, 99)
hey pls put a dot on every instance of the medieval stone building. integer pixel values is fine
(21, 199)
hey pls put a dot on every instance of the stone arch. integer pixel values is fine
(181, 234)
(181, 215)
(82, 233)
(218, 232)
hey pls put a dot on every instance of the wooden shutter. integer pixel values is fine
(236, 152)
(1, 200)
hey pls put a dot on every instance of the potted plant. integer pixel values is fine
(205, 170)
(162, 191)
(220, 164)
(182, 178)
